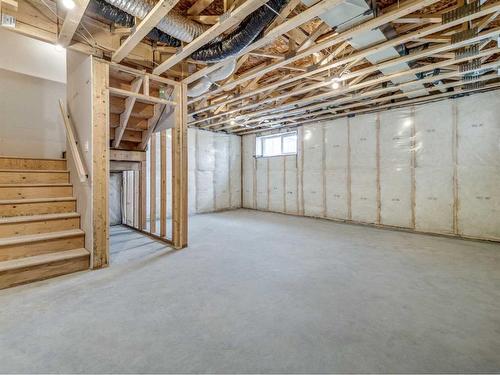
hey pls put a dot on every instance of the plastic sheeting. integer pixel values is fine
(432, 168)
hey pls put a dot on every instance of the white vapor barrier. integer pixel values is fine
(434, 167)
(363, 163)
(248, 172)
(262, 184)
(277, 184)
(478, 160)
(214, 172)
(395, 167)
(291, 185)
(430, 168)
(335, 171)
(313, 170)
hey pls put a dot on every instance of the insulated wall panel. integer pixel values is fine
(205, 168)
(363, 145)
(313, 170)
(434, 167)
(248, 162)
(235, 170)
(395, 167)
(335, 173)
(478, 158)
(192, 170)
(221, 174)
(262, 184)
(291, 185)
(277, 184)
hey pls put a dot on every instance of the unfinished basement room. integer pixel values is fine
(249, 186)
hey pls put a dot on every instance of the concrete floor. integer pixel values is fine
(262, 292)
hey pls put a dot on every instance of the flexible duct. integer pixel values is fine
(173, 23)
(203, 84)
(110, 12)
(248, 30)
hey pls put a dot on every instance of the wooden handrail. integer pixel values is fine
(73, 144)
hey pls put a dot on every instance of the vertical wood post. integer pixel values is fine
(152, 184)
(163, 183)
(180, 170)
(100, 164)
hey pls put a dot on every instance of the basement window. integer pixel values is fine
(276, 145)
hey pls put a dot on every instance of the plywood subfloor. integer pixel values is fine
(263, 292)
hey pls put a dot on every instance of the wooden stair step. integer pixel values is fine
(38, 244)
(29, 191)
(39, 267)
(14, 162)
(36, 206)
(32, 176)
(37, 224)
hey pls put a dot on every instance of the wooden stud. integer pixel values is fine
(163, 183)
(152, 184)
(180, 171)
(100, 161)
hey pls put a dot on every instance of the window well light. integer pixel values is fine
(68, 4)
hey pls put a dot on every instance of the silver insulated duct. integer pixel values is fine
(172, 24)
(353, 12)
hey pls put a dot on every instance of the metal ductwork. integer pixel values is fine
(110, 12)
(248, 30)
(202, 85)
(353, 12)
(172, 24)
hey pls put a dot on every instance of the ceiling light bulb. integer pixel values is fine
(68, 4)
(59, 48)
(335, 83)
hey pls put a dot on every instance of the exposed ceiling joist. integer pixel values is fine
(71, 22)
(152, 19)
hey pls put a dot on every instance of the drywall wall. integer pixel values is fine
(30, 122)
(31, 125)
(79, 93)
(31, 57)
(431, 168)
(214, 172)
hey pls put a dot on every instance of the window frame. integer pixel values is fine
(277, 135)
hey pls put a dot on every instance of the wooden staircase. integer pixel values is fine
(40, 235)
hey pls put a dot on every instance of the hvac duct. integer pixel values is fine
(173, 23)
(110, 12)
(250, 29)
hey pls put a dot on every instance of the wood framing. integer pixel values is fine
(100, 167)
(71, 22)
(180, 170)
(154, 16)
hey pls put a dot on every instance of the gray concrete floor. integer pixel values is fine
(262, 292)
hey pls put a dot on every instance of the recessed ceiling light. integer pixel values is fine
(68, 4)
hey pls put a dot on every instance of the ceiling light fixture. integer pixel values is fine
(68, 4)
(335, 83)
(59, 48)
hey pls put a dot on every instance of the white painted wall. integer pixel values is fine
(432, 168)
(31, 57)
(32, 79)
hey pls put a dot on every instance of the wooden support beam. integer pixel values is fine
(198, 7)
(152, 19)
(163, 183)
(124, 117)
(286, 26)
(235, 17)
(180, 171)
(146, 135)
(71, 22)
(139, 97)
(152, 184)
(100, 164)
